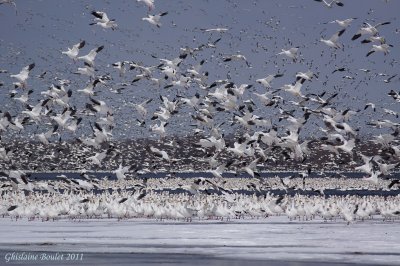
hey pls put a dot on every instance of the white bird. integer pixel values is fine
(372, 106)
(44, 137)
(251, 168)
(338, 3)
(215, 30)
(89, 89)
(163, 113)
(343, 23)
(23, 75)
(333, 41)
(99, 106)
(373, 178)
(236, 57)
(368, 29)
(98, 157)
(391, 112)
(266, 82)
(23, 98)
(159, 153)
(217, 173)
(10, 2)
(121, 171)
(103, 20)
(155, 19)
(87, 70)
(380, 48)
(294, 89)
(35, 112)
(62, 119)
(141, 109)
(89, 58)
(307, 76)
(73, 126)
(159, 129)
(148, 3)
(291, 53)
(74, 51)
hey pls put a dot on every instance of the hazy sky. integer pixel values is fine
(258, 29)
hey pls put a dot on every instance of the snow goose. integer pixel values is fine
(307, 75)
(294, 89)
(372, 105)
(74, 51)
(23, 75)
(89, 89)
(159, 129)
(23, 98)
(44, 137)
(10, 2)
(141, 108)
(330, 4)
(266, 82)
(148, 3)
(87, 70)
(64, 100)
(98, 157)
(155, 19)
(215, 30)
(373, 177)
(34, 112)
(291, 53)
(159, 153)
(73, 126)
(121, 171)
(368, 29)
(236, 57)
(102, 20)
(391, 112)
(62, 119)
(380, 48)
(343, 23)
(89, 58)
(333, 41)
(99, 107)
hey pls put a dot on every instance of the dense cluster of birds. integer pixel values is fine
(258, 140)
(161, 206)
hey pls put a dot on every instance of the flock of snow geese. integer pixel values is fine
(258, 141)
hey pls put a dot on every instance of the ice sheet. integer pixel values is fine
(273, 238)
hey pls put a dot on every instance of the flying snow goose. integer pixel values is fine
(155, 19)
(333, 41)
(295, 88)
(291, 53)
(23, 75)
(160, 153)
(236, 57)
(102, 20)
(89, 89)
(368, 29)
(266, 82)
(89, 58)
(380, 48)
(148, 3)
(215, 30)
(74, 51)
(343, 23)
(330, 4)
(141, 108)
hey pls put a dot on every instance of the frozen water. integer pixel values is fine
(272, 239)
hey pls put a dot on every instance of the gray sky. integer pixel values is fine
(257, 29)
